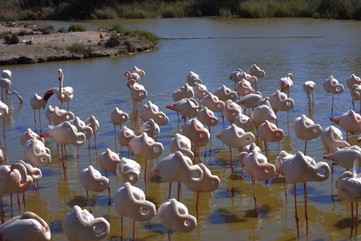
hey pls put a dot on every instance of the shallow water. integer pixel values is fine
(213, 48)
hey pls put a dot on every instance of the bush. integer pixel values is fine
(76, 28)
(80, 48)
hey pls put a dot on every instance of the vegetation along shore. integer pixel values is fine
(11, 10)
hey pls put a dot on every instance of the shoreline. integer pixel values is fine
(37, 47)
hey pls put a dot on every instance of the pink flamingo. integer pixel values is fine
(187, 107)
(81, 225)
(355, 93)
(124, 136)
(269, 132)
(348, 185)
(231, 110)
(305, 129)
(257, 166)
(200, 91)
(118, 118)
(183, 144)
(193, 79)
(177, 167)
(224, 93)
(92, 180)
(299, 168)
(235, 137)
(309, 87)
(207, 117)
(128, 170)
(129, 201)
(151, 111)
(286, 83)
(250, 100)
(37, 103)
(349, 121)
(331, 85)
(27, 226)
(196, 132)
(244, 122)
(108, 161)
(5, 83)
(151, 128)
(93, 122)
(244, 88)
(184, 92)
(332, 139)
(174, 216)
(64, 94)
(4, 111)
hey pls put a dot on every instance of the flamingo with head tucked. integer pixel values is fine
(331, 85)
(118, 118)
(299, 168)
(349, 121)
(64, 94)
(28, 226)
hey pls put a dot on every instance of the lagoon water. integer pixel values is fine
(213, 48)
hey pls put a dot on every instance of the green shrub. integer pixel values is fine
(61, 30)
(79, 48)
(76, 28)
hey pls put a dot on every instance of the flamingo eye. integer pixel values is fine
(338, 88)
(315, 130)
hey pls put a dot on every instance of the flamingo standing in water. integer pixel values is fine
(37, 103)
(305, 129)
(286, 83)
(28, 226)
(331, 85)
(64, 94)
(349, 121)
(351, 81)
(309, 87)
(332, 139)
(81, 225)
(118, 118)
(5, 83)
(4, 111)
(93, 122)
(92, 180)
(129, 201)
(299, 168)
(269, 132)
(348, 185)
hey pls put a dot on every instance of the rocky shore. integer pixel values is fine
(42, 46)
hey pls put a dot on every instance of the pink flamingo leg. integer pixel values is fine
(230, 155)
(170, 190)
(133, 238)
(296, 215)
(254, 195)
(197, 201)
(179, 194)
(305, 149)
(89, 204)
(305, 200)
(11, 205)
(352, 220)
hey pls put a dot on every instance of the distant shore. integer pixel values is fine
(36, 47)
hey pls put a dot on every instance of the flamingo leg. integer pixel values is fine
(333, 98)
(115, 138)
(34, 120)
(109, 201)
(296, 215)
(266, 148)
(356, 224)
(24, 201)
(133, 238)
(121, 228)
(352, 220)
(40, 122)
(305, 149)
(179, 193)
(89, 204)
(305, 200)
(170, 190)
(11, 205)
(254, 195)
(197, 201)
(2, 210)
(62, 160)
(230, 155)
(18, 201)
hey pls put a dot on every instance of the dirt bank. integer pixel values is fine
(37, 47)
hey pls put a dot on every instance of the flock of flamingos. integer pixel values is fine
(249, 121)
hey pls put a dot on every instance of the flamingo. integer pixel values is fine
(286, 83)
(299, 168)
(151, 111)
(244, 88)
(4, 111)
(213, 103)
(5, 83)
(235, 137)
(135, 74)
(108, 161)
(118, 118)
(309, 87)
(196, 132)
(260, 114)
(200, 90)
(93, 122)
(83, 128)
(128, 170)
(244, 122)
(145, 146)
(185, 91)
(331, 85)
(125, 135)
(208, 183)
(231, 110)
(65, 134)
(64, 94)
(36, 153)
(348, 185)
(269, 132)
(256, 71)
(352, 80)
(174, 216)
(57, 115)
(151, 128)
(224, 93)
(34, 172)
(187, 107)
(332, 139)
(37, 103)
(257, 166)
(181, 143)
(355, 93)
(207, 117)
(14, 179)
(238, 75)
(81, 225)
(193, 79)
(280, 102)
(138, 94)
(349, 121)
(305, 129)
(27, 135)
(129, 201)
(250, 100)
(177, 167)
(27, 226)
(92, 180)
